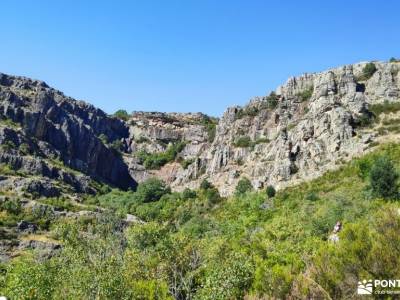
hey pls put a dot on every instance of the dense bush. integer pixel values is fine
(153, 161)
(270, 191)
(187, 162)
(367, 72)
(272, 100)
(25, 148)
(244, 185)
(8, 145)
(121, 114)
(306, 94)
(243, 142)
(188, 194)
(151, 190)
(209, 192)
(205, 185)
(365, 119)
(211, 126)
(383, 178)
(246, 142)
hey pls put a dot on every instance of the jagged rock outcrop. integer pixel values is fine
(41, 130)
(154, 132)
(313, 127)
(309, 125)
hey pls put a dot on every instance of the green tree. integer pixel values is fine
(244, 185)
(383, 178)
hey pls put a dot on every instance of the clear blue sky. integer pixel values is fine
(188, 55)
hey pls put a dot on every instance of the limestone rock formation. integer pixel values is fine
(43, 132)
(305, 127)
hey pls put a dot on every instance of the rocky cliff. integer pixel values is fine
(50, 141)
(307, 126)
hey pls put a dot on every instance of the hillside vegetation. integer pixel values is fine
(198, 245)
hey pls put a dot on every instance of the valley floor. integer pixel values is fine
(198, 245)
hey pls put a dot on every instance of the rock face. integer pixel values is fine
(43, 132)
(306, 127)
(314, 126)
(155, 132)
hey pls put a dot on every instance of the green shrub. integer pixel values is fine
(243, 142)
(188, 194)
(6, 169)
(385, 108)
(24, 148)
(104, 189)
(212, 195)
(153, 161)
(211, 127)
(383, 178)
(272, 100)
(364, 120)
(142, 139)
(306, 94)
(116, 145)
(209, 192)
(12, 206)
(9, 123)
(228, 279)
(8, 145)
(364, 167)
(367, 72)
(151, 190)
(103, 138)
(274, 281)
(270, 191)
(312, 196)
(246, 142)
(393, 60)
(205, 185)
(251, 111)
(187, 162)
(261, 140)
(244, 185)
(121, 114)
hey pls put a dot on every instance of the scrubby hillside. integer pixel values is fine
(197, 245)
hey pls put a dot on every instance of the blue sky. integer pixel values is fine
(188, 55)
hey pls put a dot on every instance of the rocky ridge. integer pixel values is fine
(307, 126)
(50, 142)
(315, 122)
